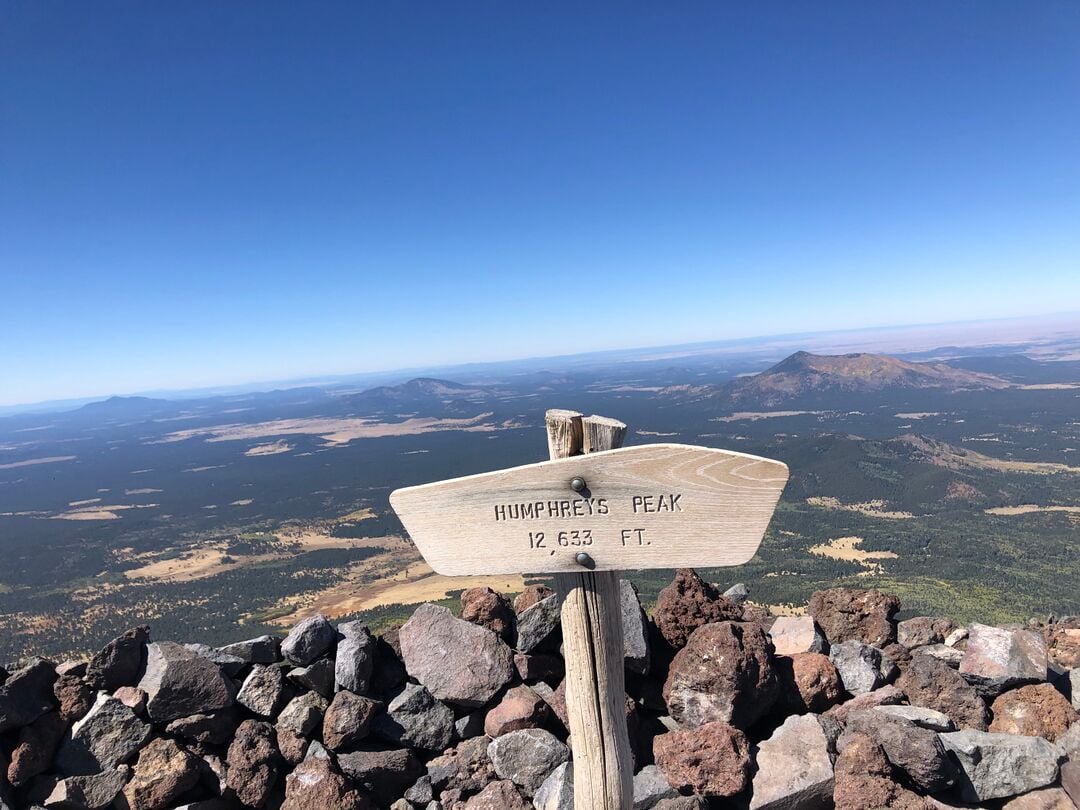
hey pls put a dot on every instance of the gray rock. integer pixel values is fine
(650, 786)
(916, 751)
(319, 677)
(794, 767)
(998, 659)
(957, 636)
(684, 803)
(537, 622)
(862, 668)
(316, 750)
(355, 657)
(924, 718)
(923, 630)
(213, 729)
(635, 629)
(527, 757)
(1070, 780)
(417, 720)
(459, 662)
(260, 650)
(230, 664)
(303, 714)
(1074, 687)
(263, 691)
(420, 793)
(1069, 742)
(348, 720)
(995, 766)
(385, 773)
(178, 683)
(737, 593)
(108, 735)
(557, 791)
(792, 635)
(469, 725)
(119, 662)
(92, 791)
(950, 655)
(309, 640)
(27, 694)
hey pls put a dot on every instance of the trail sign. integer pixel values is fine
(591, 510)
(653, 506)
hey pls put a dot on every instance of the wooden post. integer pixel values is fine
(593, 645)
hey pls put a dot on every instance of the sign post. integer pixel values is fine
(592, 510)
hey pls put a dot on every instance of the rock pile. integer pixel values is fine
(727, 706)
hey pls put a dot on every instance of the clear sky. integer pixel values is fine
(203, 193)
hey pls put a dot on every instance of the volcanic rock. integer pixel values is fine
(539, 667)
(933, 684)
(415, 719)
(303, 714)
(885, 696)
(794, 767)
(319, 677)
(314, 785)
(230, 664)
(210, 729)
(118, 663)
(456, 660)
(263, 691)
(109, 734)
(36, 747)
(864, 779)
(27, 694)
(650, 786)
(500, 795)
(995, 766)
(723, 673)
(1037, 710)
(308, 640)
(260, 650)
(384, 773)
(355, 657)
(519, 708)
(1063, 644)
(489, 609)
(1046, 799)
(527, 757)
(916, 751)
(537, 622)
(711, 760)
(530, 596)
(689, 603)
(163, 772)
(922, 717)
(557, 791)
(862, 668)
(997, 659)
(847, 614)
(74, 696)
(254, 763)
(178, 682)
(635, 629)
(93, 791)
(948, 655)
(792, 635)
(348, 720)
(810, 681)
(1070, 780)
(923, 630)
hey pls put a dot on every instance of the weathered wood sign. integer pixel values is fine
(592, 510)
(654, 506)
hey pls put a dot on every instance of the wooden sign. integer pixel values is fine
(653, 506)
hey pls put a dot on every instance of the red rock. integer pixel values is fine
(133, 697)
(489, 609)
(688, 603)
(811, 682)
(791, 635)
(313, 785)
(519, 708)
(163, 772)
(846, 614)
(254, 763)
(530, 596)
(933, 684)
(538, 667)
(1038, 710)
(723, 673)
(713, 760)
(501, 795)
(348, 719)
(923, 630)
(292, 745)
(1045, 799)
(36, 747)
(74, 696)
(1063, 644)
(864, 779)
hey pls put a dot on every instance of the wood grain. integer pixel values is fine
(725, 502)
(593, 651)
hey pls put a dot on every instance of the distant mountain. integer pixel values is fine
(420, 393)
(804, 374)
(126, 407)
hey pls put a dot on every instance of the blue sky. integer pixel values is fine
(207, 193)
